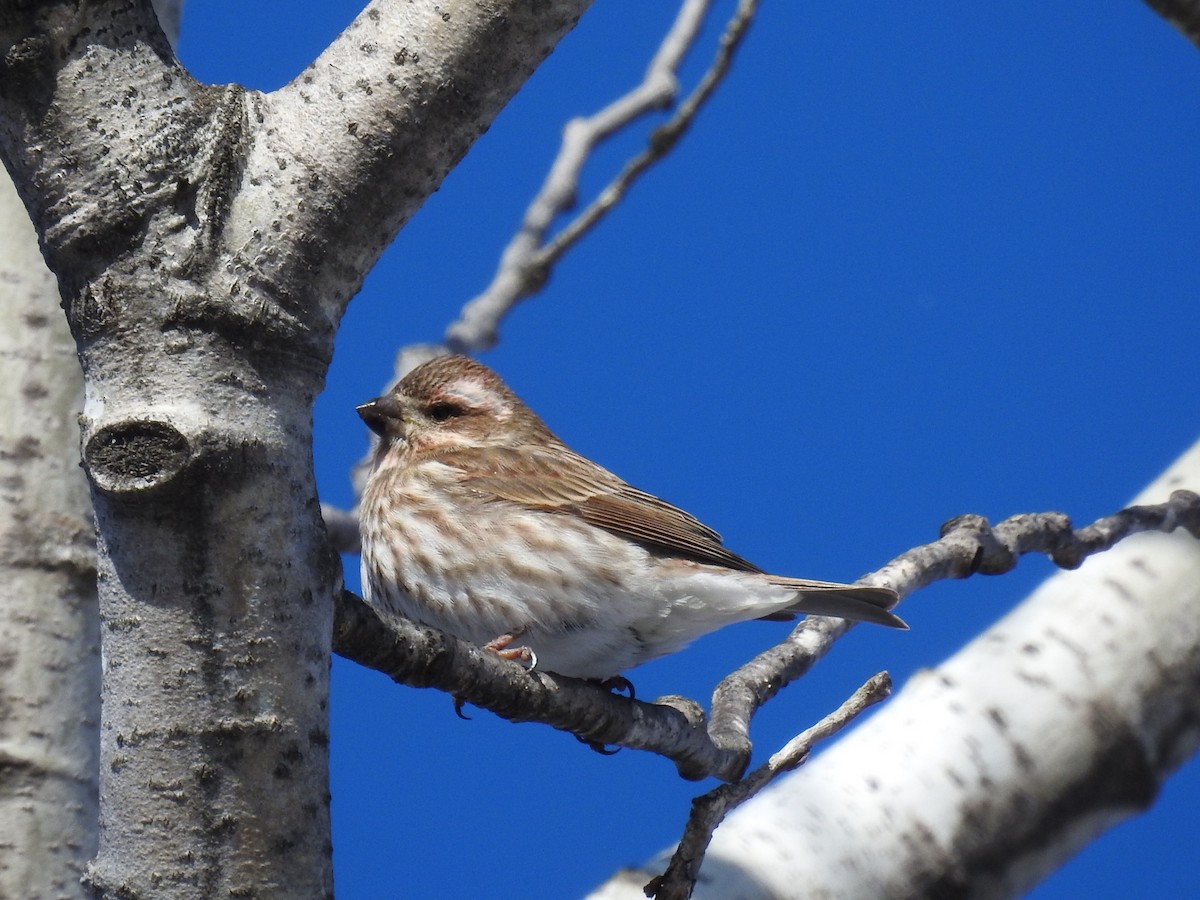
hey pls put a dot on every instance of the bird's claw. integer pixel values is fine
(501, 647)
(618, 684)
(602, 749)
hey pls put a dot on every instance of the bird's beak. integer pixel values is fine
(381, 411)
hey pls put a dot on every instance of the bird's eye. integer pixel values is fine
(440, 412)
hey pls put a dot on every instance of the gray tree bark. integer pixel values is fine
(206, 241)
(49, 627)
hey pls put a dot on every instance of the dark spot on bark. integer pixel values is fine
(25, 449)
(134, 456)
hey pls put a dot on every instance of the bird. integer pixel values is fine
(477, 520)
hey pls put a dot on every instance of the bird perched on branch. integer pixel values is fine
(479, 521)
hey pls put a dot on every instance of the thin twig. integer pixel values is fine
(662, 141)
(709, 810)
(526, 262)
(968, 545)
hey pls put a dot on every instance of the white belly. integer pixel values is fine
(588, 603)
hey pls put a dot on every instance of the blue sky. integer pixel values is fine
(937, 261)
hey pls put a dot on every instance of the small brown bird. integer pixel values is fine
(477, 520)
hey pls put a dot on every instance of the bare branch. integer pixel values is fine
(662, 141)
(1060, 720)
(709, 810)
(674, 727)
(423, 657)
(369, 130)
(968, 545)
(342, 527)
(526, 262)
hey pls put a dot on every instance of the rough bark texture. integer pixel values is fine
(987, 773)
(49, 640)
(206, 241)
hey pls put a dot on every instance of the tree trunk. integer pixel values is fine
(206, 241)
(49, 638)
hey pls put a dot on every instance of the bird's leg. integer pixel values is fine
(500, 646)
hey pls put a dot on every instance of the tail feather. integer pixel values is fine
(842, 601)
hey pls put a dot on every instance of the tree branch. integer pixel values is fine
(968, 545)
(526, 263)
(987, 772)
(370, 129)
(709, 810)
(675, 727)
(342, 527)
(424, 657)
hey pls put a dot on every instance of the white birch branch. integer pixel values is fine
(709, 810)
(987, 773)
(352, 147)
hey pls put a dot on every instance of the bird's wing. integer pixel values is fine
(557, 480)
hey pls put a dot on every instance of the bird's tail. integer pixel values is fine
(842, 601)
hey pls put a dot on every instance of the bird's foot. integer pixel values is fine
(597, 747)
(501, 646)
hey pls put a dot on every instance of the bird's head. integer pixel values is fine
(451, 403)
